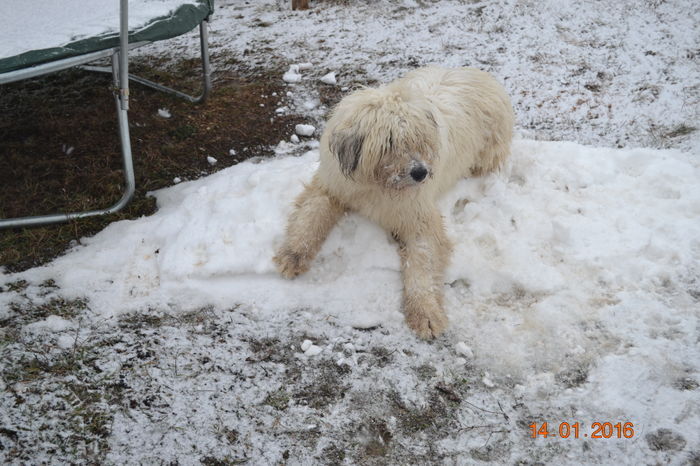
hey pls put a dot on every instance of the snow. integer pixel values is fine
(305, 66)
(56, 25)
(464, 350)
(329, 78)
(52, 323)
(313, 350)
(311, 104)
(164, 113)
(305, 130)
(211, 160)
(568, 233)
(573, 287)
(292, 75)
(625, 76)
(571, 255)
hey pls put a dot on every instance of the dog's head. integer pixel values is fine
(384, 138)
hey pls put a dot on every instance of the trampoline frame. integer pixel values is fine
(120, 76)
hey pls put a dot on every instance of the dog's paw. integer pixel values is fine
(427, 318)
(290, 264)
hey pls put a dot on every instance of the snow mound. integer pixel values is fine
(305, 130)
(292, 76)
(329, 78)
(565, 239)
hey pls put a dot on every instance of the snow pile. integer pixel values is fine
(565, 238)
(23, 30)
(292, 75)
(304, 130)
(329, 78)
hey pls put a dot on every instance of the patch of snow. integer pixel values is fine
(211, 160)
(65, 341)
(164, 113)
(305, 130)
(284, 147)
(52, 323)
(292, 75)
(313, 350)
(630, 216)
(311, 104)
(464, 350)
(329, 78)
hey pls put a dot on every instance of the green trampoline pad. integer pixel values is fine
(183, 19)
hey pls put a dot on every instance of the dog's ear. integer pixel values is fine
(347, 146)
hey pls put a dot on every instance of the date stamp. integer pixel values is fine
(579, 430)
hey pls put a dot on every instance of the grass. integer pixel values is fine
(278, 400)
(680, 130)
(70, 382)
(60, 152)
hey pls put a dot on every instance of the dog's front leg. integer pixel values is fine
(314, 215)
(424, 255)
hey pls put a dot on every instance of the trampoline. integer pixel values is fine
(74, 33)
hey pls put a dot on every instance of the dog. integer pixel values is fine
(389, 153)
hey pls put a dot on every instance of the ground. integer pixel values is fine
(113, 373)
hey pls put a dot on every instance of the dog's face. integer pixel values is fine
(385, 140)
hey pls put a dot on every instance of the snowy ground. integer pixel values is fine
(573, 293)
(623, 73)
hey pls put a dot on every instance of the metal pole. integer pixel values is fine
(206, 71)
(120, 75)
(204, 49)
(124, 54)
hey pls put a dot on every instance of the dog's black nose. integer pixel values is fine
(419, 173)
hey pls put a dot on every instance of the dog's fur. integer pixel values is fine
(451, 123)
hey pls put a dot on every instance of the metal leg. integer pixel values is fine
(130, 188)
(121, 77)
(206, 72)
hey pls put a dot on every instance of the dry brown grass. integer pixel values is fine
(43, 117)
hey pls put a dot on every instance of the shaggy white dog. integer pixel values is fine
(389, 153)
